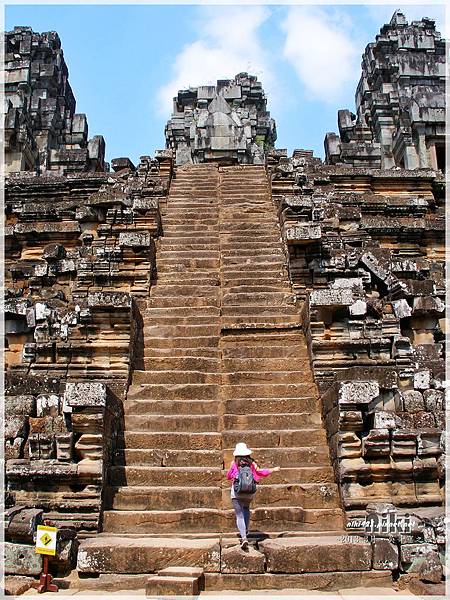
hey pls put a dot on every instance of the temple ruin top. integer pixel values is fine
(42, 130)
(400, 102)
(227, 122)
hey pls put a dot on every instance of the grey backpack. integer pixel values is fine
(245, 482)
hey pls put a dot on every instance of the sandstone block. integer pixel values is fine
(23, 525)
(64, 446)
(385, 555)
(15, 427)
(21, 559)
(158, 586)
(358, 392)
(118, 555)
(87, 423)
(422, 379)
(413, 401)
(434, 400)
(20, 405)
(85, 394)
(235, 560)
(430, 568)
(317, 554)
(411, 555)
(16, 586)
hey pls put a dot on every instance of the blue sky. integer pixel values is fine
(126, 62)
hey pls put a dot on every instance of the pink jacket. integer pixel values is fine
(257, 473)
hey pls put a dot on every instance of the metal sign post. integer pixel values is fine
(46, 545)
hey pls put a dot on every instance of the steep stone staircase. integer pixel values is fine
(171, 468)
(268, 395)
(225, 361)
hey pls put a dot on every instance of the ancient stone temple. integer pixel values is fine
(223, 291)
(400, 102)
(42, 130)
(227, 123)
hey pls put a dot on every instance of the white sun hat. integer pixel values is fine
(242, 450)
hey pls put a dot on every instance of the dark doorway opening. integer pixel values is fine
(440, 156)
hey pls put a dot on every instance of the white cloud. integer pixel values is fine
(325, 58)
(228, 43)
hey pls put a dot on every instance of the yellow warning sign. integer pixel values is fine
(46, 540)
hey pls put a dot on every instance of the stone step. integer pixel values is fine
(203, 342)
(243, 288)
(183, 254)
(263, 582)
(169, 458)
(167, 585)
(226, 245)
(267, 390)
(269, 351)
(180, 330)
(235, 277)
(312, 555)
(176, 289)
(229, 262)
(212, 311)
(203, 476)
(275, 377)
(192, 228)
(171, 407)
(314, 456)
(175, 391)
(199, 236)
(272, 421)
(172, 497)
(200, 520)
(191, 263)
(192, 363)
(142, 498)
(183, 301)
(173, 220)
(270, 365)
(275, 438)
(185, 423)
(176, 376)
(256, 310)
(166, 476)
(191, 245)
(164, 319)
(252, 251)
(185, 352)
(172, 441)
(188, 278)
(281, 299)
(179, 208)
(271, 406)
(310, 455)
(117, 554)
(267, 321)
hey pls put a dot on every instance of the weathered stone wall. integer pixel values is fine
(42, 130)
(400, 102)
(80, 252)
(227, 122)
(366, 253)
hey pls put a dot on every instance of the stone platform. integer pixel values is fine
(314, 562)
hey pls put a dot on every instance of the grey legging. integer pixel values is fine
(242, 509)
